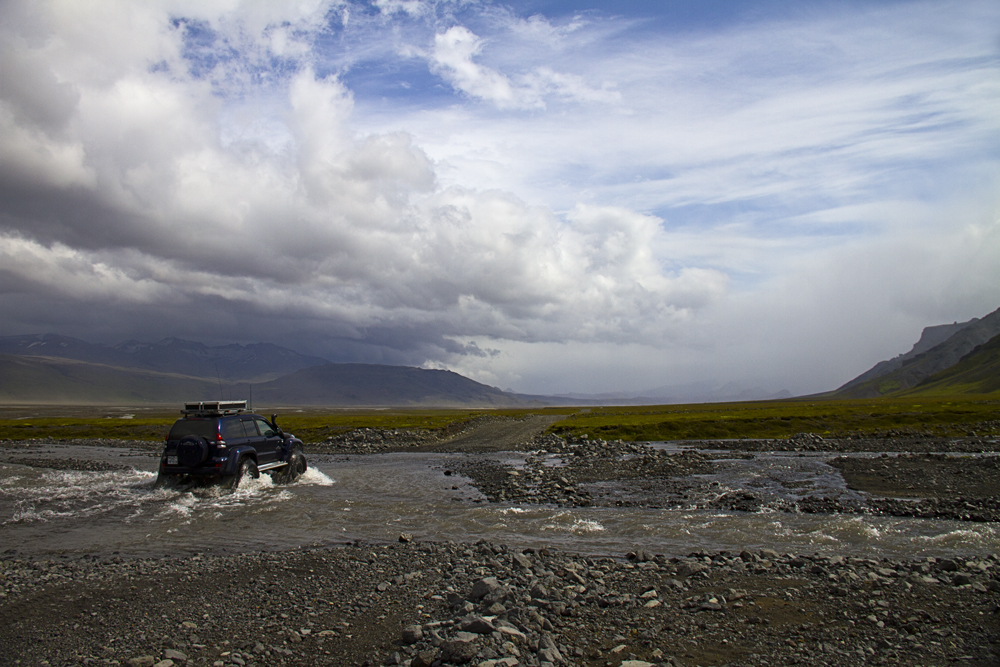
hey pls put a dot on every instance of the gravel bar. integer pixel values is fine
(425, 604)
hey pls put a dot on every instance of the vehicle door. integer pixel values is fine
(255, 439)
(233, 433)
(267, 451)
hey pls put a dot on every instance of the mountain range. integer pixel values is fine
(52, 369)
(962, 357)
(258, 362)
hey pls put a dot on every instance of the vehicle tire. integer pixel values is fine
(192, 451)
(296, 466)
(169, 481)
(247, 468)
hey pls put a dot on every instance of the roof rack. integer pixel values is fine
(214, 408)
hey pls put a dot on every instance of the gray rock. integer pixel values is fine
(538, 591)
(551, 655)
(423, 659)
(174, 654)
(458, 652)
(142, 661)
(484, 587)
(412, 634)
(477, 624)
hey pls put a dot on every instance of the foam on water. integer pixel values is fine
(569, 522)
(51, 496)
(314, 477)
(963, 539)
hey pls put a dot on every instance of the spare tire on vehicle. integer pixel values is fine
(192, 450)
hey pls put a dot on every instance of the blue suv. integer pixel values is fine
(224, 441)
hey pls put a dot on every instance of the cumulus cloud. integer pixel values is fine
(335, 229)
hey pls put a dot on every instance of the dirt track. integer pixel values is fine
(496, 435)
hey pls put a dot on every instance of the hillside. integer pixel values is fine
(918, 367)
(257, 362)
(929, 337)
(377, 385)
(977, 373)
(47, 380)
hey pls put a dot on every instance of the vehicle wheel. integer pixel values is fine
(296, 466)
(247, 468)
(163, 480)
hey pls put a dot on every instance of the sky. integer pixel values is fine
(544, 196)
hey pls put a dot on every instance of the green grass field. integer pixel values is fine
(948, 416)
(780, 419)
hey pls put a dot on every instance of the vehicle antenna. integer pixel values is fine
(222, 396)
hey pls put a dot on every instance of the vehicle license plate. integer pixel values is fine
(171, 460)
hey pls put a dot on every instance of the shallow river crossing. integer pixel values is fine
(378, 497)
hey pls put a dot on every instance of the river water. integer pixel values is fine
(375, 498)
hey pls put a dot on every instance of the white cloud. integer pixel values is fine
(453, 55)
(453, 58)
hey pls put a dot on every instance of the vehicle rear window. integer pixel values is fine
(206, 428)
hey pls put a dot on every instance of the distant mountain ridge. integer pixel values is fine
(257, 362)
(922, 362)
(52, 381)
(375, 385)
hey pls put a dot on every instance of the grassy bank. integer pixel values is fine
(780, 419)
(947, 416)
(309, 425)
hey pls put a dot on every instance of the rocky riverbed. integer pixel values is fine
(584, 472)
(488, 605)
(431, 603)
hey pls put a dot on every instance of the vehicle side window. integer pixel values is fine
(232, 429)
(265, 428)
(251, 428)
